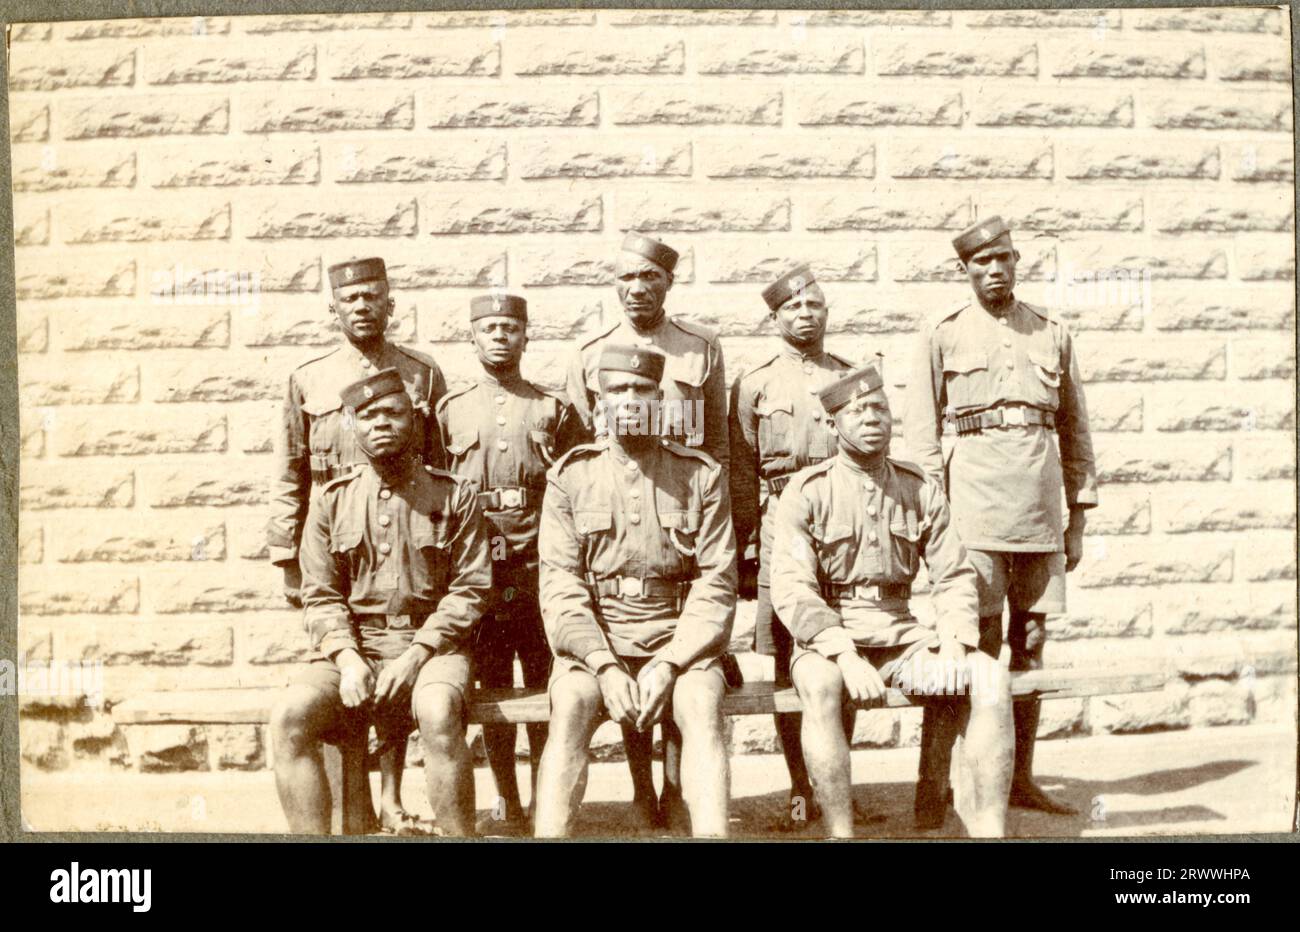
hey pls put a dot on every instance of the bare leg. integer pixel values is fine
(821, 690)
(939, 726)
(300, 716)
(697, 710)
(440, 711)
(985, 750)
(639, 748)
(391, 764)
(576, 707)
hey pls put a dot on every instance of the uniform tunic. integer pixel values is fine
(317, 442)
(1005, 483)
(778, 427)
(693, 374)
(408, 544)
(839, 524)
(657, 514)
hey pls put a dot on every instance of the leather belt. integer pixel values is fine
(1003, 416)
(884, 592)
(395, 622)
(638, 588)
(322, 470)
(511, 496)
(776, 484)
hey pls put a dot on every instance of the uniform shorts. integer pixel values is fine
(507, 629)
(892, 663)
(379, 647)
(771, 637)
(1030, 582)
(633, 665)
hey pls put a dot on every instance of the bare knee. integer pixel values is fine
(439, 710)
(697, 703)
(820, 686)
(575, 702)
(294, 717)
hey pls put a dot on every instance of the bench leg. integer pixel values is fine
(352, 812)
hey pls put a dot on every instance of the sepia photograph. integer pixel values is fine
(639, 423)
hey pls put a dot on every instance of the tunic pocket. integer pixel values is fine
(462, 441)
(431, 563)
(904, 551)
(775, 428)
(967, 378)
(1045, 389)
(682, 529)
(595, 533)
(835, 551)
(543, 446)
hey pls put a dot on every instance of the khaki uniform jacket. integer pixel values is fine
(693, 373)
(414, 545)
(316, 442)
(840, 525)
(777, 427)
(661, 514)
(1005, 483)
(505, 434)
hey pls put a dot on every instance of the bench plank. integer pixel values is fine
(252, 705)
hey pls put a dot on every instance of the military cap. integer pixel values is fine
(357, 270)
(788, 285)
(981, 234)
(359, 394)
(498, 305)
(635, 359)
(651, 249)
(861, 381)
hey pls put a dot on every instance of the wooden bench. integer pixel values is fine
(347, 767)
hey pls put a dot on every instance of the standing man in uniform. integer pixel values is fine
(996, 412)
(502, 434)
(693, 413)
(850, 533)
(317, 442)
(638, 579)
(395, 567)
(776, 425)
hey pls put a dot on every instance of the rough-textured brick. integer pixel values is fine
(357, 59)
(1099, 20)
(270, 25)
(969, 159)
(877, 210)
(1114, 408)
(1267, 406)
(56, 485)
(236, 747)
(31, 32)
(763, 158)
(1119, 616)
(103, 384)
(1241, 213)
(1215, 702)
(1260, 162)
(141, 541)
(273, 641)
(31, 227)
(1140, 713)
(563, 157)
(894, 18)
(1245, 63)
(1084, 304)
(1266, 259)
(235, 278)
(870, 106)
(245, 381)
(1122, 512)
(1263, 359)
(304, 325)
(143, 116)
(33, 332)
(613, 55)
(1157, 260)
(34, 68)
(1260, 508)
(760, 263)
(705, 209)
(139, 435)
(31, 544)
(1222, 19)
(1062, 214)
(195, 27)
(1109, 360)
(1139, 460)
(29, 121)
(411, 160)
(478, 265)
(31, 439)
(1126, 59)
(1239, 608)
(167, 748)
(692, 18)
(1136, 563)
(1053, 107)
(43, 744)
(926, 57)
(1268, 557)
(809, 54)
(574, 265)
(465, 107)
(225, 165)
(1226, 309)
(78, 594)
(63, 169)
(355, 216)
(1138, 160)
(694, 105)
(126, 222)
(501, 19)
(540, 212)
(253, 428)
(933, 261)
(189, 595)
(154, 328)
(1266, 458)
(328, 111)
(1240, 110)
(204, 63)
(217, 486)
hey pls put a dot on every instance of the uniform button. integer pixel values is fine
(871, 510)
(813, 389)
(1007, 343)
(635, 518)
(869, 485)
(385, 493)
(817, 415)
(384, 520)
(503, 445)
(365, 364)
(1011, 364)
(872, 537)
(635, 493)
(501, 421)
(385, 547)
(1003, 322)
(631, 466)
(501, 399)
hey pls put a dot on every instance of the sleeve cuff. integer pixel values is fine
(831, 642)
(1084, 498)
(599, 658)
(282, 555)
(334, 642)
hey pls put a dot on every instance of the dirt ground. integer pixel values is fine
(1206, 781)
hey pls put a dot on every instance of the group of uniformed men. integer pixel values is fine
(604, 537)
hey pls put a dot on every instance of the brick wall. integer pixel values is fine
(476, 150)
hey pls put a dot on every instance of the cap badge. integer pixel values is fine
(368, 392)
(351, 272)
(797, 283)
(864, 387)
(636, 362)
(497, 302)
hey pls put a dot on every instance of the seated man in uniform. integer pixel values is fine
(848, 536)
(396, 572)
(638, 594)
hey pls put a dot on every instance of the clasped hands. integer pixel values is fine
(637, 702)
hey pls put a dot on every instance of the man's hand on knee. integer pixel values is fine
(396, 679)
(861, 679)
(356, 681)
(620, 693)
(654, 687)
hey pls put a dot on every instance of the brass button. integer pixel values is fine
(501, 399)
(365, 364)
(813, 389)
(871, 510)
(384, 520)
(385, 493)
(635, 517)
(631, 466)
(503, 445)
(1003, 322)
(1007, 342)
(1011, 364)
(501, 421)
(872, 537)
(635, 493)
(385, 547)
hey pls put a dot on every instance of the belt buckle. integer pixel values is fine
(630, 586)
(512, 498)
(1013, 417)
(398, 622)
